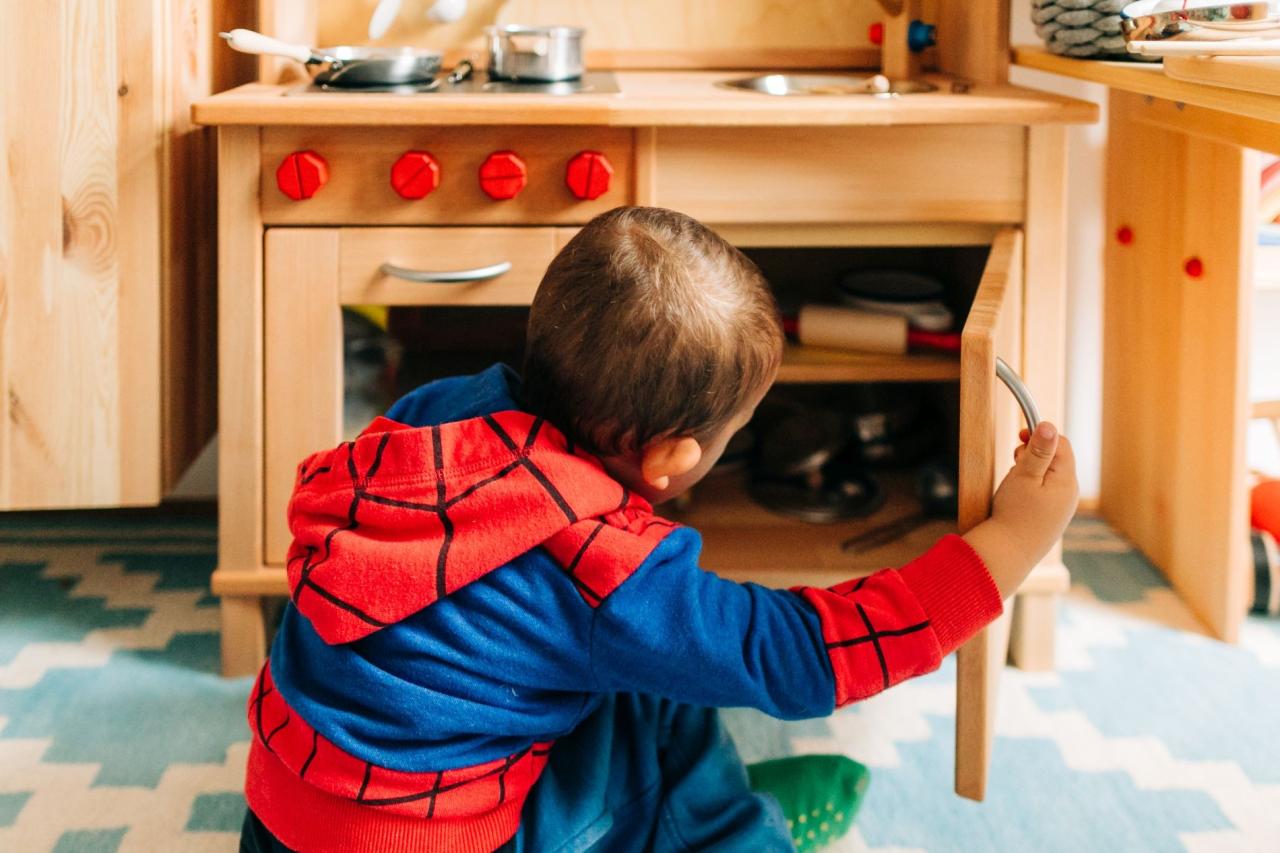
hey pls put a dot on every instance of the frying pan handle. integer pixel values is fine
(248, 41)
(446, 276)
(1020, 393)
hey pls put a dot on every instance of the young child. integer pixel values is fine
(493, 641)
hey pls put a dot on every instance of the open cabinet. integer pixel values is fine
(311, 272)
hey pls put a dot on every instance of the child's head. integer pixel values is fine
(651, 341)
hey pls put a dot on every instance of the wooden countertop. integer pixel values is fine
(647, 98)
(1148, 78)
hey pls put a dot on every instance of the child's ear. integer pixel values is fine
(667, 458)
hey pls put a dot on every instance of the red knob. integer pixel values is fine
(302, 174)
(1124, 235)
(415, 175)
(503, 175)
(588, 175)
(875, 33)
(1194, 267)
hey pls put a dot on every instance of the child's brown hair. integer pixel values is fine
(646, 325)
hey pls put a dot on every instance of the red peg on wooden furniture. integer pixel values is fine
(588, 175)
(415, 175)
(1124, 235)
(302, 174)
(1194, 267)
(503, 175)
(875, 33)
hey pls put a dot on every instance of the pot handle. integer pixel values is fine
(446, 276)
(1020, 391)
(248, 41)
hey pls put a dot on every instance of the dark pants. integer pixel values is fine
(640, 773)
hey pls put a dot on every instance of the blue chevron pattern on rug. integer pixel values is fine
(116, 733)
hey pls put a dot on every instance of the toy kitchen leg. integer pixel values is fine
(240, 402)
(1031, 635)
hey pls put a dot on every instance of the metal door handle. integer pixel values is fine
(1020, 392)
(446, 276)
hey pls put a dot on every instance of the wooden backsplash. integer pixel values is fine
(654, 33)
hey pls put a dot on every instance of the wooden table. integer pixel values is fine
(1181, 221)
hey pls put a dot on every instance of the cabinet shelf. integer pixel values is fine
(816, 364)
(743, 541)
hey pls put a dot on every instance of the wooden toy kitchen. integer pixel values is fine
(452, 200)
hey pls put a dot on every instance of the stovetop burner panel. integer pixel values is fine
(591, 83)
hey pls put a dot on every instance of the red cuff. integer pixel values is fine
(955, 589)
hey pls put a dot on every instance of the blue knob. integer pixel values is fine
(921, 35)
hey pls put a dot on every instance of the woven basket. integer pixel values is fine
(1081, 28)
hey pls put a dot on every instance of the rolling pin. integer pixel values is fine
(862, 331)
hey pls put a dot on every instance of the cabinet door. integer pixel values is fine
(989, 424)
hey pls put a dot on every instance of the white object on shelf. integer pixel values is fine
(447, 11)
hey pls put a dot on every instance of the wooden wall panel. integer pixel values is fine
(973, 39)
(78, 246)
(106, 252)
(1175, 389)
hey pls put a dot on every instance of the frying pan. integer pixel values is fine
(1157, 20)
(346, 67)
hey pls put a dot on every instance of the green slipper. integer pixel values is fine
(819, 794)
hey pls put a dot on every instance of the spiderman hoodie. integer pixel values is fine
(466, 585)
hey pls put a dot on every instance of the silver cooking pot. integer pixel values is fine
(346, 67)
(538, 54)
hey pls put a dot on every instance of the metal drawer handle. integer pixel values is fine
(446, 276)
(1020, 392)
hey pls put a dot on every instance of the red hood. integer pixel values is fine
(389, 523)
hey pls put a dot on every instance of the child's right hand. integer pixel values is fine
(1029, 510)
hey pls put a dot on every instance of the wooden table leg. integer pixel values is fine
(240, 396)
(1044, 332)
(244, 635)
(1031, 634)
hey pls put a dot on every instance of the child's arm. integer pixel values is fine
(677, 631)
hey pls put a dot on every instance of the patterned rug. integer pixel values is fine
(116, 732)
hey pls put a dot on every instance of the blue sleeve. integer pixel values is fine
(675, 630)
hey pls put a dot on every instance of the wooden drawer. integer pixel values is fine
(461, 265)
(359, 166)
(843, 174)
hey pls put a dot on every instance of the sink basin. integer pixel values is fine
(828, 84)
